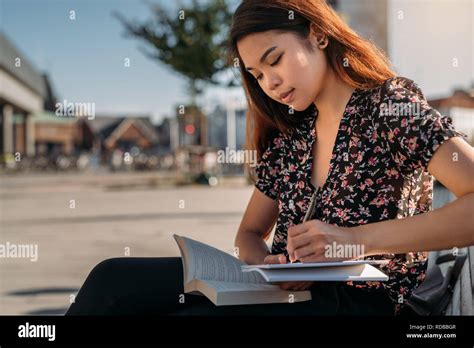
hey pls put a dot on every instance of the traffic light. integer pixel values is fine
(189, 129)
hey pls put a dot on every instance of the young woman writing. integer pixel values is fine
(326, 113)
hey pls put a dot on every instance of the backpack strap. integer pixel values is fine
(456, 270)
(445, 258)
(433, 295)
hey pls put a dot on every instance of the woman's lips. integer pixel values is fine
(287, 97)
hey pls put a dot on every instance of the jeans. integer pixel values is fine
(154, 286)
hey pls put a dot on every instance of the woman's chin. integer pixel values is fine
(299, 106)
(296, 105)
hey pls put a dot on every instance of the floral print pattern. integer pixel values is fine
(377, 172)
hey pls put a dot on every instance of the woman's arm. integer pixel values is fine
(447, 227)
(450, 226)
(444, 228)
(257, 222)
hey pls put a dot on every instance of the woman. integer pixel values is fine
(327, 116)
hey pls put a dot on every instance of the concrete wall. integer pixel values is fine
(19, 95)
(368, 18)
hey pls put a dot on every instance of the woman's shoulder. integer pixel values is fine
(396, 93)
(408, 125)
(401, 88)
(395, 82)
(397, 89)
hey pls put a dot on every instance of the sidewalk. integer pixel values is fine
(113, 214)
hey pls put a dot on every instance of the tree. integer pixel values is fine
(191, 41)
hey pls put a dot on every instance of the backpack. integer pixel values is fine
(433, 295)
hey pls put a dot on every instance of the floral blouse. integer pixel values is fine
(377, 172)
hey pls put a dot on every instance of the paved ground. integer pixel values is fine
(112, 213)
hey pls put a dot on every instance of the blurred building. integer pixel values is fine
(125, 133)
(28, 123)
(164, 136)
(227, 125)
(218, 128)
(460, 108)
(62, 135)
(368, 18)
(23, 93)
(425, 41)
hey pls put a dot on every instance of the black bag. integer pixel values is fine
(433, 295)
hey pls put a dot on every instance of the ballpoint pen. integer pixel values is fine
(309, 214)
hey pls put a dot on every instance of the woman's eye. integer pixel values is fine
(277, 60)
(259, 77)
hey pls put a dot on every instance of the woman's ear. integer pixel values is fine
(317, 38)
(323, 43)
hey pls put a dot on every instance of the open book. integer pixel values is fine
(218, 275)
(226, 280)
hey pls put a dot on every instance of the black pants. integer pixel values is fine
(134, 285)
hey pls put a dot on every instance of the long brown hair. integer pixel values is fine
(367, 66)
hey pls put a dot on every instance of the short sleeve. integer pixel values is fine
(268, 169)
(411, 128)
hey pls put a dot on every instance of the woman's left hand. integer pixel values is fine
(317, 241)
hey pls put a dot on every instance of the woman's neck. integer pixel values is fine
(332, 100)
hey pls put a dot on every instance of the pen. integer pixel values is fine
(312, 205)
(307, 217)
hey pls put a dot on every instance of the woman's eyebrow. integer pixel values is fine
(264, 55)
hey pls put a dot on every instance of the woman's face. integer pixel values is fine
(286, 70)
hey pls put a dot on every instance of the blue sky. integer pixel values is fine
(85, 56)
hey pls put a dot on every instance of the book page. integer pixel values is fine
(238, 287)
(223, 293)
(317, 264)
(208, 263)
(358, 272)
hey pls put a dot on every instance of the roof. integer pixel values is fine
(27, 74)
(51, 117)
(459, 98)
(105, 126)
(102, 124)
(45, 117)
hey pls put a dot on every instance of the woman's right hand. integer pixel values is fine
(296, 286)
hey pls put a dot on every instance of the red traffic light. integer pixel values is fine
(189, 129)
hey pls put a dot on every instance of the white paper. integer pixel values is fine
(298, 265)
(358, 272)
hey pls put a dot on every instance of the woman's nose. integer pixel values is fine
(273, 82)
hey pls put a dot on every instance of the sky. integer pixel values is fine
(85, 57)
